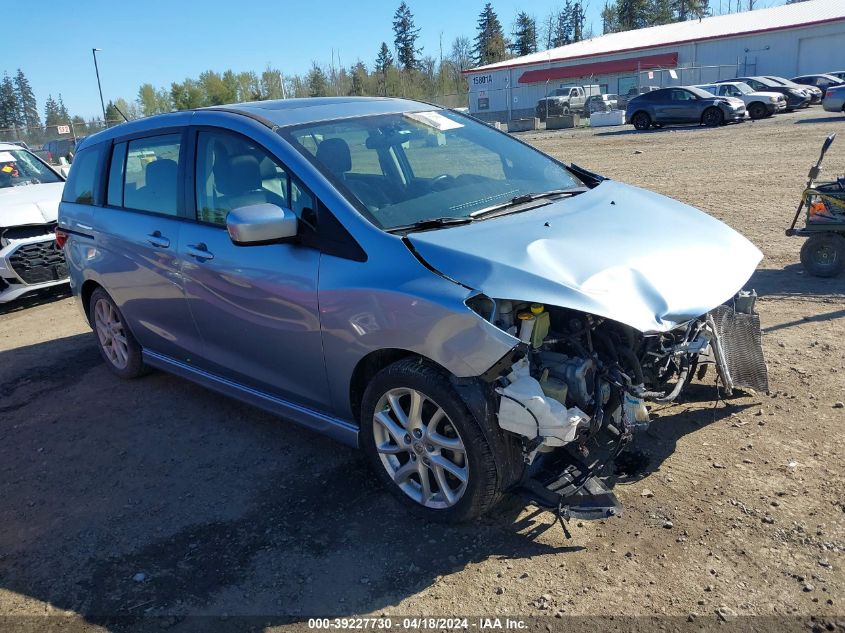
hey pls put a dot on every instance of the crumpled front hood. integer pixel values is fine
(30, 204)
(616, 251)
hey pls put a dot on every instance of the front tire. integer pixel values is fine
(823, 255)
(641, 121)
(713, 117)
(117, 346)
(757, 111)
(425, 445)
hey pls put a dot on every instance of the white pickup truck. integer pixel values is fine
(758, 104)
(565, 100)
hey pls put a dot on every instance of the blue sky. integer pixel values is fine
(160, 41)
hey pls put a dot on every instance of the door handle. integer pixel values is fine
(156, 239)
(199, 251)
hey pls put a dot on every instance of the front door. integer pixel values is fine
(255, 306)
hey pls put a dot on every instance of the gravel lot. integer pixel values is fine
(156, 497)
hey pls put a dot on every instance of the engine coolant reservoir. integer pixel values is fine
(541, 324)
(636, 414)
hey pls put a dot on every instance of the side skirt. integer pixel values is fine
(336, 428)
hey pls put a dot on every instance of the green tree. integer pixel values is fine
(27, 104)
(490, 44)
(524, 35)
(79, 125)
(113, 116)
(187, 95)
(359, 80)
(249, 86)
(147, 99)
(609, 18)
(318, 83)
(384, 62)
(691, 9)
(661, 12)
(52, 116)
(64, 116)
(271, 84)
(405, 38)
(9, 107)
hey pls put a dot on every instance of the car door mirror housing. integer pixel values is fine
(261, 224)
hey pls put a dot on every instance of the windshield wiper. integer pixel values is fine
(525, 198)
(430, 223)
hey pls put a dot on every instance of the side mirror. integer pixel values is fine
(261, 224)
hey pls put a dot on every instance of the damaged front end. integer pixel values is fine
(574, 390)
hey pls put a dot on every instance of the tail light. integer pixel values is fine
(61, 237)
(829, 93)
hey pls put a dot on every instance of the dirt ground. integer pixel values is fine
(156, 497)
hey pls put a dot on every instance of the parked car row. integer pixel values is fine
(731, 100)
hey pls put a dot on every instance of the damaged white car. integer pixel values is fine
(474, 314)
(29, 202)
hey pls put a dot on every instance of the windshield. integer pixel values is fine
(700, 93)
(744, 88)
(19, 168)
(401, 169)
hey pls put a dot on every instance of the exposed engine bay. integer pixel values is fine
(578, 384)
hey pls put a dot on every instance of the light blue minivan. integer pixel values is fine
(476, 315)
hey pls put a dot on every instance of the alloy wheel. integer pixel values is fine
(110, 332)
(420, 448)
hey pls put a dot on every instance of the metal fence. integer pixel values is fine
(53, 142)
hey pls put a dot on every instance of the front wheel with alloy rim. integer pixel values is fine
(117, 346)
(823, 255)
(425, 445)
(713, 117)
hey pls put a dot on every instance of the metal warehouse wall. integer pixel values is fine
(786, 53)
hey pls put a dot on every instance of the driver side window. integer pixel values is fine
(233, 172)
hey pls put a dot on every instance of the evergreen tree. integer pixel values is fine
(318, 83)
(384, 59)
(577, 20)
(691, 9)
(52, 117)
(359, 80)
(490, 44)
(64, 116)
(9, 107)
(113, 116)
(524, 35)
(79, 125)
(662, 12)
(609, 18)
(406, 34)
(563, 26)
(26, 102)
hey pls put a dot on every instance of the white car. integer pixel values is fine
(30, 192)
(758, 104)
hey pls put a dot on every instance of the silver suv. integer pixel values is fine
(475, 315)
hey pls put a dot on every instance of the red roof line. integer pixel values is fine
(642, 48)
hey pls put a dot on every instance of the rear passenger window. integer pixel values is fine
(151, 181)
(82, 185)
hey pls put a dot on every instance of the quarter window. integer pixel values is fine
(82, 183)
(152, 182)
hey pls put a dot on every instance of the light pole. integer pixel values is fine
(99, 87)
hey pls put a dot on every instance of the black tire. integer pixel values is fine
(713, 117)
(134, 365)
(483, 488)
(757, 111)
(823, 255)
(641, 120)
(565, 110)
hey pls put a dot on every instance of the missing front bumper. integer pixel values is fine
(738, 344)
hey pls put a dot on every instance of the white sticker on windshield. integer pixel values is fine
(6, 157)
(435, 120)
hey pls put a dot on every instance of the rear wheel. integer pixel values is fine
(757, 111)
(823, 255)
(117, 346)
(713, 117)
(641, 120)
(425, 445)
